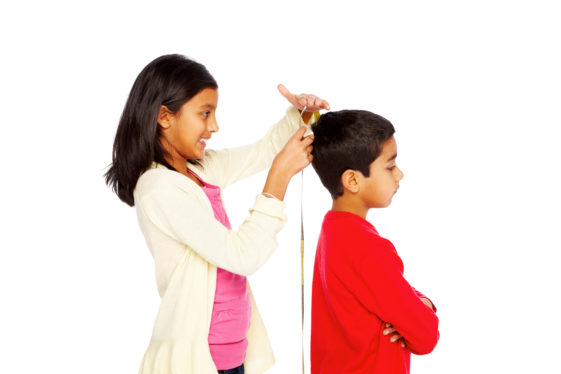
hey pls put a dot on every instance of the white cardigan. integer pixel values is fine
(188, 243)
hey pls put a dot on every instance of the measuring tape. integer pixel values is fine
(302, 247)
(302, 258)
(314, 118)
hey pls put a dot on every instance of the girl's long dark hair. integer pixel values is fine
(169, 80)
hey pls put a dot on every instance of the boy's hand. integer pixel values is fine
(395, 337)
(427, 302)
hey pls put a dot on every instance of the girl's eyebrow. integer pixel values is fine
(392, 158)
(208, 106)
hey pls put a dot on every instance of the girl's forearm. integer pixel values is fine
(290, 160)
(277, 183)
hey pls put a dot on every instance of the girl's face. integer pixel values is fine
(187, 131)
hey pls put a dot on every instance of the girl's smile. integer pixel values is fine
(186, 132)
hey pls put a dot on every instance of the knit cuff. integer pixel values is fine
(269, 206)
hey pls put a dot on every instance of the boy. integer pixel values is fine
(366, 318)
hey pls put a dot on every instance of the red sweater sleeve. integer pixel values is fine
(384, 291)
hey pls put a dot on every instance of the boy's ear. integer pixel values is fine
(349, 179)
(165, 117)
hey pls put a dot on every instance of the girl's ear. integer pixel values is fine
(165, 117)
(349, 179)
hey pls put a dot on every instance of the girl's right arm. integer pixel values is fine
(229, 165)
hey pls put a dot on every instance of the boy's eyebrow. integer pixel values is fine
(392, 158)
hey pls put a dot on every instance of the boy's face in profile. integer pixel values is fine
(378, 189)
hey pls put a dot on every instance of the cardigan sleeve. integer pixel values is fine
(232, 164)
(184, 218)
(386, 293)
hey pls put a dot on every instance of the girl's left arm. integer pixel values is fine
(181, 214)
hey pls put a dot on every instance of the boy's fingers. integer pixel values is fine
(395, 338)
(388, 330)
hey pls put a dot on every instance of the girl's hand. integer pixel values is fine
(311, 102)
(395, 337)
(294, 156)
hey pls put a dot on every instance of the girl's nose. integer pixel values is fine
(213, 126)
(400, 174)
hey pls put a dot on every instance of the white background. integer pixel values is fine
(473, 89)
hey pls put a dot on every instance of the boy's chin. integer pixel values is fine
(383, 205)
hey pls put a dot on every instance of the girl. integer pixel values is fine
(207, 320)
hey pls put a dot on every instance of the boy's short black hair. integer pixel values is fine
(347, 139)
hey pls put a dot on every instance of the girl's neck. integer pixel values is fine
(180, 165)
(175, 160)
(194, 179)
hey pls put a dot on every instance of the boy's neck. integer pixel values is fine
(343, 204)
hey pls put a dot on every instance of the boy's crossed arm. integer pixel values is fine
(396, 336)
(387, 294)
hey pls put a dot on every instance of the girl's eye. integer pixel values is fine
(391, 168)
(206, 114)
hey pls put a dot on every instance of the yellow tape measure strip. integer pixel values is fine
(302, 252)
(314, 118)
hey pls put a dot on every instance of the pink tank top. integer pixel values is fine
(232, 307)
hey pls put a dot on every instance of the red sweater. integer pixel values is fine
(358, 286)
